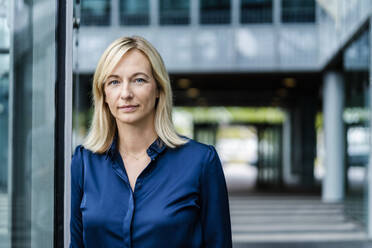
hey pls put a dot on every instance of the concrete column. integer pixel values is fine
(289, 179)
(154, 12)
(194, 12)
(334, 162)
(115, 15)
(235, 12)
(277, 10)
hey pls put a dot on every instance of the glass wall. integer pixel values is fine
(357, 118)
(294, 11)
(32, 79)
(215, 11)
(256, 11)
(4, 119)
(174, 12)
(4, 95)
(134, 12)
(137, 12)
(95, 12)
(337, 22)
(269, 156)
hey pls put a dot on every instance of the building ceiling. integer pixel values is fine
(259, 89)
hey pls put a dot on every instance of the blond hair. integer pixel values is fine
(103, 127)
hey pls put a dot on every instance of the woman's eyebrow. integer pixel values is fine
(132, 76)
(139, 73)
(113, 76)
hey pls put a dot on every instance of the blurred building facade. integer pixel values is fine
(309, 58)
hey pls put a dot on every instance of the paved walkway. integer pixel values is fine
(4, 209)
(262, 221)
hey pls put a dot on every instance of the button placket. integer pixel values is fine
(127, 223)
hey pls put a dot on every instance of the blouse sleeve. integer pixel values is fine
(76, 226)
(215, 214)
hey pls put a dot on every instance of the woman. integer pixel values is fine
(135, 182)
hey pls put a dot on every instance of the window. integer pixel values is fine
(215, 11)
(174, 12)
(134, 12)
(95, 12)
(28, 89)
(256, 11)
(298, 11)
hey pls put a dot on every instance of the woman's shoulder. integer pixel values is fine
(203, 156)
(198, 148)
(193, 144)
(80, 150)
(81, 155)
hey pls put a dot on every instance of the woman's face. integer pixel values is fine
(131, 90)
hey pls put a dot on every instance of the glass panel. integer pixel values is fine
(298, 11)
(4, 120)
(95, 12)
(134, 12)
(32, 122)
(215, 11)
(174, 12)
(4, 115)
(269, 153)
(256, 11)
(356, 66)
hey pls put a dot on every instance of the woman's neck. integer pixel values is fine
(135, 139)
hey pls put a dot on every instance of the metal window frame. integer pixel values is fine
(63, 123)
(369, 169)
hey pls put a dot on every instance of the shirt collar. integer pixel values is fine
(156, 148)
(153, 151)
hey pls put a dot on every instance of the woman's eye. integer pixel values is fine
(139, 80)
(114, 82)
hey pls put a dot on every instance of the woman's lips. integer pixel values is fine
(128, 108)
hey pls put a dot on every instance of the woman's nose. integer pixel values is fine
(126, 91)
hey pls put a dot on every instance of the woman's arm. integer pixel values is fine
(76, 225)
(215, 214)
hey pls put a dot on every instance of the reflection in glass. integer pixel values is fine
(269, 153)
(356, 56)
(134, 12)
(95, 12)
(215, 11)
(174, 12)
(357, 118)
(4, 115)
(4, 120)
(298, 11)
(256, 11)
(32, 121)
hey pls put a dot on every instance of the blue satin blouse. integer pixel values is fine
(180, 199)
